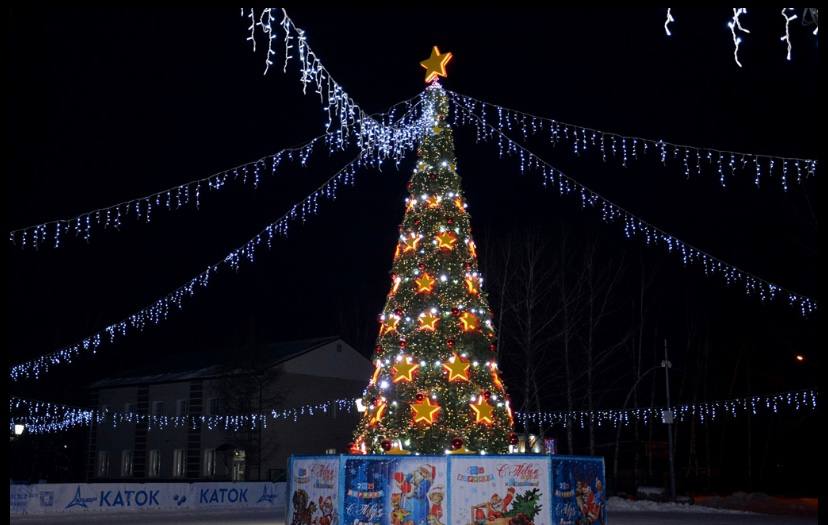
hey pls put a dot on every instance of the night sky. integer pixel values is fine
(105, 105)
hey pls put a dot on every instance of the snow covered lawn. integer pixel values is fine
(621, 512)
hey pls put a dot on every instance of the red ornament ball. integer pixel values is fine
(432, 176)
(378, 349)
(487, 394)
(386, 444)
(450, 343)
(398, 312)
(421, 266)
(513, 439)
(410, 186)
(403, 343)
(455, 312)
(456, 443)
(420, 396)
(492, 347)
(450, 221)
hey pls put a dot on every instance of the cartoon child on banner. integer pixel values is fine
(435, 513)
(303, 508)
(497, 506)
(328, 514)
(589, 503)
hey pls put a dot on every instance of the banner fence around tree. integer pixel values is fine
(48, 498)
(441, 490)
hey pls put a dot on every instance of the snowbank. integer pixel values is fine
(615, 504)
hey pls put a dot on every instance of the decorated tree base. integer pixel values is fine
(459, 489)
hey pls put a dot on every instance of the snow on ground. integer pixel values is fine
(621, 512)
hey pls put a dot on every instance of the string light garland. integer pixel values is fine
(633, 225)
(703, 412)
(344, 116)
(144, 209)
(409, 128)
(734, 24)
(694, 160)
(43, 417)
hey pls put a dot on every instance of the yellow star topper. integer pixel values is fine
(435, 65)
(404, 371)
(458, 369)
(482, 411)
(424, 411)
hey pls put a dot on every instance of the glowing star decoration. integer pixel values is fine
(457, 368)
(390, 325)
(446, 240)
(376, 374)
(411, 204)
(433, 201)
(472, 285)
(482, 411)
(411, 242)
(496, 379)
(469, 322)
(428, 322)
(458, 202)
(404, 370)
(425, 283)
(435, 65)
(424, 411)
(396, 286)
(472, 249)
(378, 414)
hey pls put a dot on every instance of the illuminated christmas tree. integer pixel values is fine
(436, 383)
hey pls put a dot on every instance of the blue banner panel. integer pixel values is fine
(387, 490)
(579, 496)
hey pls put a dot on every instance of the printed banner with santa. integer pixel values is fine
(579, 497)
(500, 490)
(382, 490)
(313, 486)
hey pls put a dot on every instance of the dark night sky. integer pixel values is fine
(106, 105)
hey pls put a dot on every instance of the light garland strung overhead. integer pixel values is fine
(734, 24)
(407, 130)
(703, 412)
(633, 225)
(694, 160)
(144, 209)
(41, 417)
(344, 116)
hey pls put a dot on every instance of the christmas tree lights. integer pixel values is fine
(434, 383)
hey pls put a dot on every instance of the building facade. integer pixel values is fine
(249, 380)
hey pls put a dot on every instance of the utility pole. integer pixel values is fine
(668, 419)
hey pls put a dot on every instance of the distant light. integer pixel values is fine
(18, 429)
(800, 358)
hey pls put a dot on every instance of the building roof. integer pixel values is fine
(218, 364)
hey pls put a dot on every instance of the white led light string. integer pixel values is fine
(694, 160)
(143, 209)
(633, 226)
(409, 130)
(44, 417)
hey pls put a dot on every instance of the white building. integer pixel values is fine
(281, 375)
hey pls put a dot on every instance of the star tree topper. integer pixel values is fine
(435, 65)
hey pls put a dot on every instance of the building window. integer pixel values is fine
(181, 407)
(178, 462)
(213, 406)
(158, 408)
(126, 463)
(103, 464)
(154, 463)
(209, 462)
